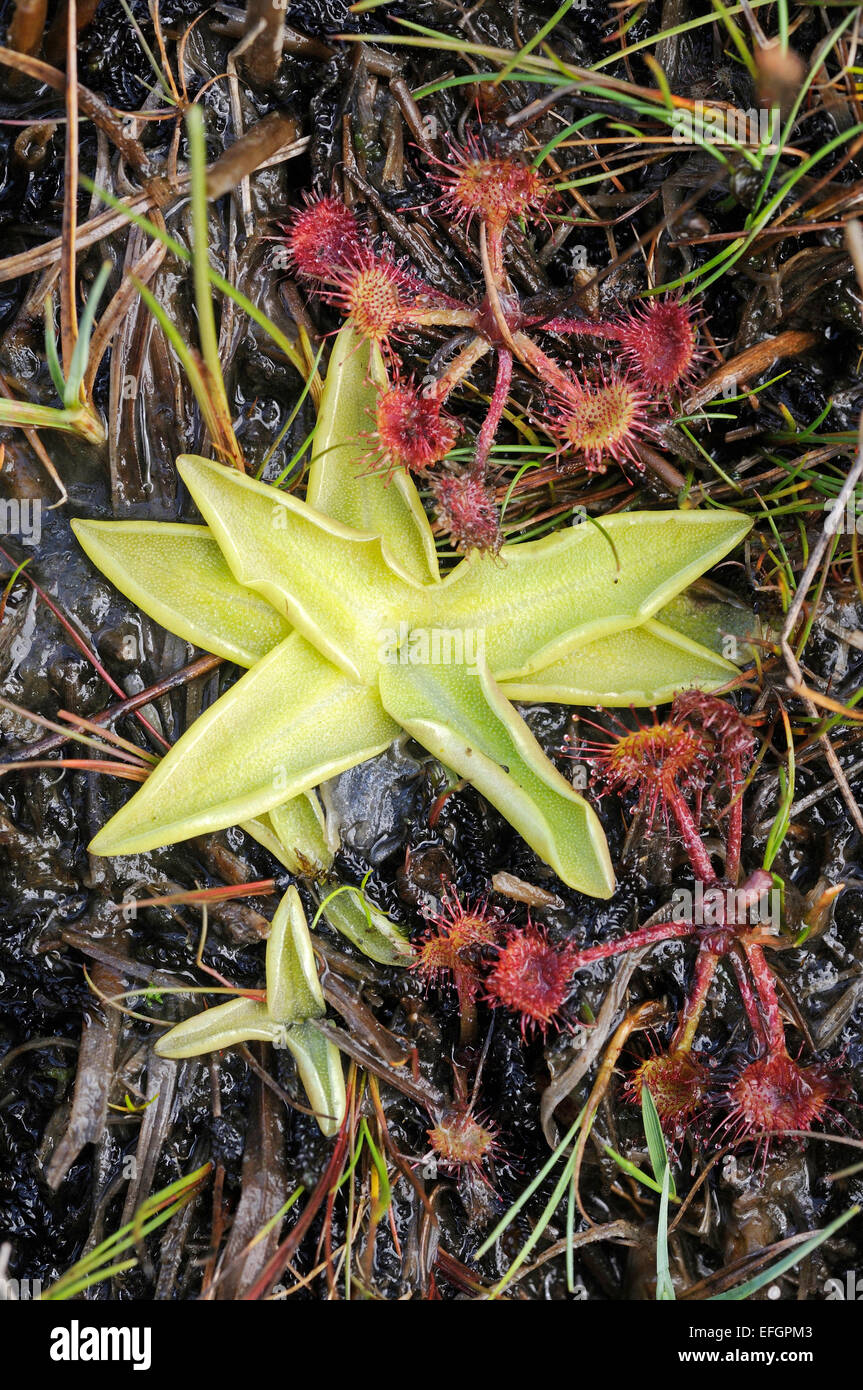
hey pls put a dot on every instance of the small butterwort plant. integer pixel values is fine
(286, 1017)
(592, 417)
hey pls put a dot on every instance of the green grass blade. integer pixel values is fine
(787, 1262)
(219, 282)
(656, 1145)
(664, 1286)
(78, 365)
(52, 357)
(509, 1216)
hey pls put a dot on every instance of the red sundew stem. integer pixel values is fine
(705, 969)
(499, 398)
(747, 996)
(544, 366)
(591, 328)
(644, 936)
(466, 1007)
(491, 245)
(458, 369)
(491, 253)
(698, 856)
(767, 995)
(734, 841)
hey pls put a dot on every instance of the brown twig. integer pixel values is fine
(28, 25)
(265, 29)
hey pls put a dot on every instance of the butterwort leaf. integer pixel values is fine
(178, 575)
(462, 716)
(319, 1065)
(342, 481)
(644, 665)
(332, 583)
(541, 598)
(293, 988)
(227, 1025)
(287, 725)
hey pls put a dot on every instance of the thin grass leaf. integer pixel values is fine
(218, 281)
(207, 332)
(664, 1286)
(77, 367)
(102, 1261)
(656, 1145)
(52, 356)
(787, 1262)
(508, 1218)
(633, 1171)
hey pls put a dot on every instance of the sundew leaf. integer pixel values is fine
(178, 576)
(342, 483)
(288, 724)
(460, 715)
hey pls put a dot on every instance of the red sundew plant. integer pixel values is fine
(496, 191)
(605, 420)
(452, 949)
(526, 974)
(705, 741)
(662, 763)
(467, 511)
(591, 421)
(659, 341)
(531, 978)
(678, 1082)
(463, 1143)
(321, 236)
(775, 1094)
(411, 430)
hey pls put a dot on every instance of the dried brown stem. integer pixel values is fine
(90, 105)
(265, 26)
(28, 25)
